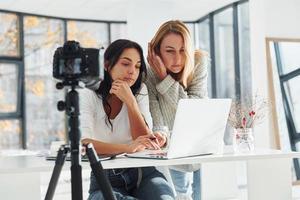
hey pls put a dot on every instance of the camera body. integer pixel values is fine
(73, 63)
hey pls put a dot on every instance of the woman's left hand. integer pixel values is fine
(161, 138)
(122, 90)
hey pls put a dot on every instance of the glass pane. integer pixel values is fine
(292, 88)
(225, 74)
(9, 35)
(88, 34)
(118, 31)
(278, 103)
(298, 160)
(203, 37)
(290, 58)
(44, 123)
(8, 87)
(10, 134)
(244, 51)
(203, 42)
(191, 29)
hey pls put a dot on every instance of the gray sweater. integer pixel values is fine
(164, 95)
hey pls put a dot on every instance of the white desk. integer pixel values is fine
(268, 174)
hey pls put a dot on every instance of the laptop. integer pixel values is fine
(198, 129)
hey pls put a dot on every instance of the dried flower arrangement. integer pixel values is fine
(247, 114)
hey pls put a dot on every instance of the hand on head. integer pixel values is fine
(156, 63)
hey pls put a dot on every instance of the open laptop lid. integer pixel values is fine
(199, 127)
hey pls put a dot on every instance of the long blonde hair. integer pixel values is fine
(177, 27)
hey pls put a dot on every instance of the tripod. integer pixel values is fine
(71, 106)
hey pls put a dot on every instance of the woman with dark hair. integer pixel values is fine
(116, 118)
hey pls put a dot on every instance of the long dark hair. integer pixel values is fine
(111, 57)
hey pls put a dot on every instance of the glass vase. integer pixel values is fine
(243, 140)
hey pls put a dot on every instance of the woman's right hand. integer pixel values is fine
(122, 90)
(141, 143)
(156, 63)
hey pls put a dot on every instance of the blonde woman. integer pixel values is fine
(176, 72)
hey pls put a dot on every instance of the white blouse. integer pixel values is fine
(93, 118)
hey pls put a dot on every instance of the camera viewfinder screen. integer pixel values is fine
(69, 66)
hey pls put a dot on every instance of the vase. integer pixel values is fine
(243, 140)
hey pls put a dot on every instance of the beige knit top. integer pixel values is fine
(164, 95)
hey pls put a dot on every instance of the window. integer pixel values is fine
(191, 27)
(44, 123)
(224, 54)
(224, 33)
(10, 83)
(202, 41)
(244, 52)
(88, 34)
(117, 31)
(202, 37)
(8, 88)
(10, 130)
(285, 64)
(28, 97)
(9, 35)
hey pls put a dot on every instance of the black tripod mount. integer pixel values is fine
(71, 106)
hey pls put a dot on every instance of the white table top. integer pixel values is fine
(228, 155)
(23, 164)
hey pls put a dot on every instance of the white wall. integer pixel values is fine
(282, 18)
(269, 18)
(258, 63)
(144, 17)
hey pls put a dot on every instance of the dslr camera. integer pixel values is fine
(73, 63)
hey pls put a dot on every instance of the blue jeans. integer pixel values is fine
(182, 182)
(125, 184)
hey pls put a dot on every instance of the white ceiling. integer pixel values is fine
(186, 10)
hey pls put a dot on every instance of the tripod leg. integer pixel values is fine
(59, 163)
(99, 173)
(76, 177)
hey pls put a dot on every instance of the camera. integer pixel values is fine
(73, 63)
